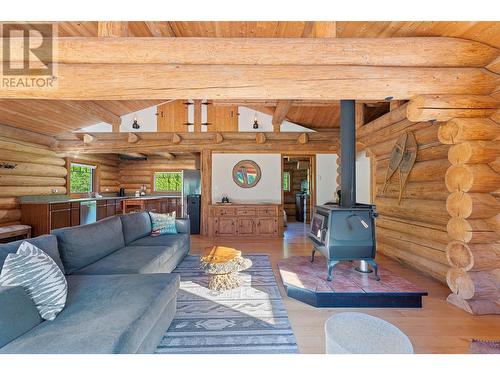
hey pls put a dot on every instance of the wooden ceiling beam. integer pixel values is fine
(146, 81)
(320, 29)
(325, 29)
(165, 154)
(159, 29)
(95, 110)
(308, 29)
(116, 29)
(133, 154)
(447, 107)
(27, 135)
(88, 139)
(272, 103)
(282, 108)
(411, 51)
(195, 142)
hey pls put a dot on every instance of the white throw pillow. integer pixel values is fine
(40, 277)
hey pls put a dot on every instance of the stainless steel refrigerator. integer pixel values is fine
(191, 198)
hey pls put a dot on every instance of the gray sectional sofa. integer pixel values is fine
(121, 294)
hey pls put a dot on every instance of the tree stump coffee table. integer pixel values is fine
(222, 265)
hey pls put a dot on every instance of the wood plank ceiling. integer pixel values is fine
(485, 32)
(55, 117)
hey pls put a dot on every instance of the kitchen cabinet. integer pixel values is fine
(46, 216)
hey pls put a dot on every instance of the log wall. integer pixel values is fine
(448, 223)
(33, 169)
(413, 231)
(473, 205)
(296, 176)
(134, 174)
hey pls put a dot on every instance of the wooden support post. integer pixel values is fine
(282, 108)
(206, 188)
(393, 104)
(360, 115)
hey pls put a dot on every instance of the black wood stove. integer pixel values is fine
(345, 231)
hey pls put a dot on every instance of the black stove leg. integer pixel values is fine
(312, 255)
(331, 264)
(375, 268)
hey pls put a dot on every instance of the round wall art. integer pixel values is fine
(246, 174)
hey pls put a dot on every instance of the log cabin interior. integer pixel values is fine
(375, 146)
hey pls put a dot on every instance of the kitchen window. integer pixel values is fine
(286, 181)
(167, 181)
(81, 178)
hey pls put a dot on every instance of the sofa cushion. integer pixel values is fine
(47, 243)
(39, 276)
(85, 244)
(177, 241)
(18, 313)
(103, 314)
(182, 225)
(135, 226)
(132, 259)
(163, 223)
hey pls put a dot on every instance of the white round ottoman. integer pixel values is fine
(358, 333)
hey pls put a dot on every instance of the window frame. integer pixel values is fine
(95, 177)
(286, 173)
(153, 182)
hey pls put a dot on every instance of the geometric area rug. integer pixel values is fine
(250, 319)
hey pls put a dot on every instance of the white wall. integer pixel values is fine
(268, 190)
(363, 178)
(146, 118)
(326, 176)
(246, 119)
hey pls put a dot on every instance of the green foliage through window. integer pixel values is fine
(286, 181)
(168, 181)
(81, 178)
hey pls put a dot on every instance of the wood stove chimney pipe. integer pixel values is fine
(347, 153)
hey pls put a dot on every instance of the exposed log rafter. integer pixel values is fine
(195, 142)
(266, 68)
(282, 108)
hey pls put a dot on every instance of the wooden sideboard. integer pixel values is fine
(235, 220)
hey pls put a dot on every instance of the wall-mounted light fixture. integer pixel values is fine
(255, 121)
(135, 124)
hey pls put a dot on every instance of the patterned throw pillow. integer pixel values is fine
(163, 224)
(40, 277)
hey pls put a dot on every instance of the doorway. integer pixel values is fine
(298, 197)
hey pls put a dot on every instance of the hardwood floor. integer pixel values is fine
(436, 328)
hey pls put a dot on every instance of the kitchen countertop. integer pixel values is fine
(66, 199)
